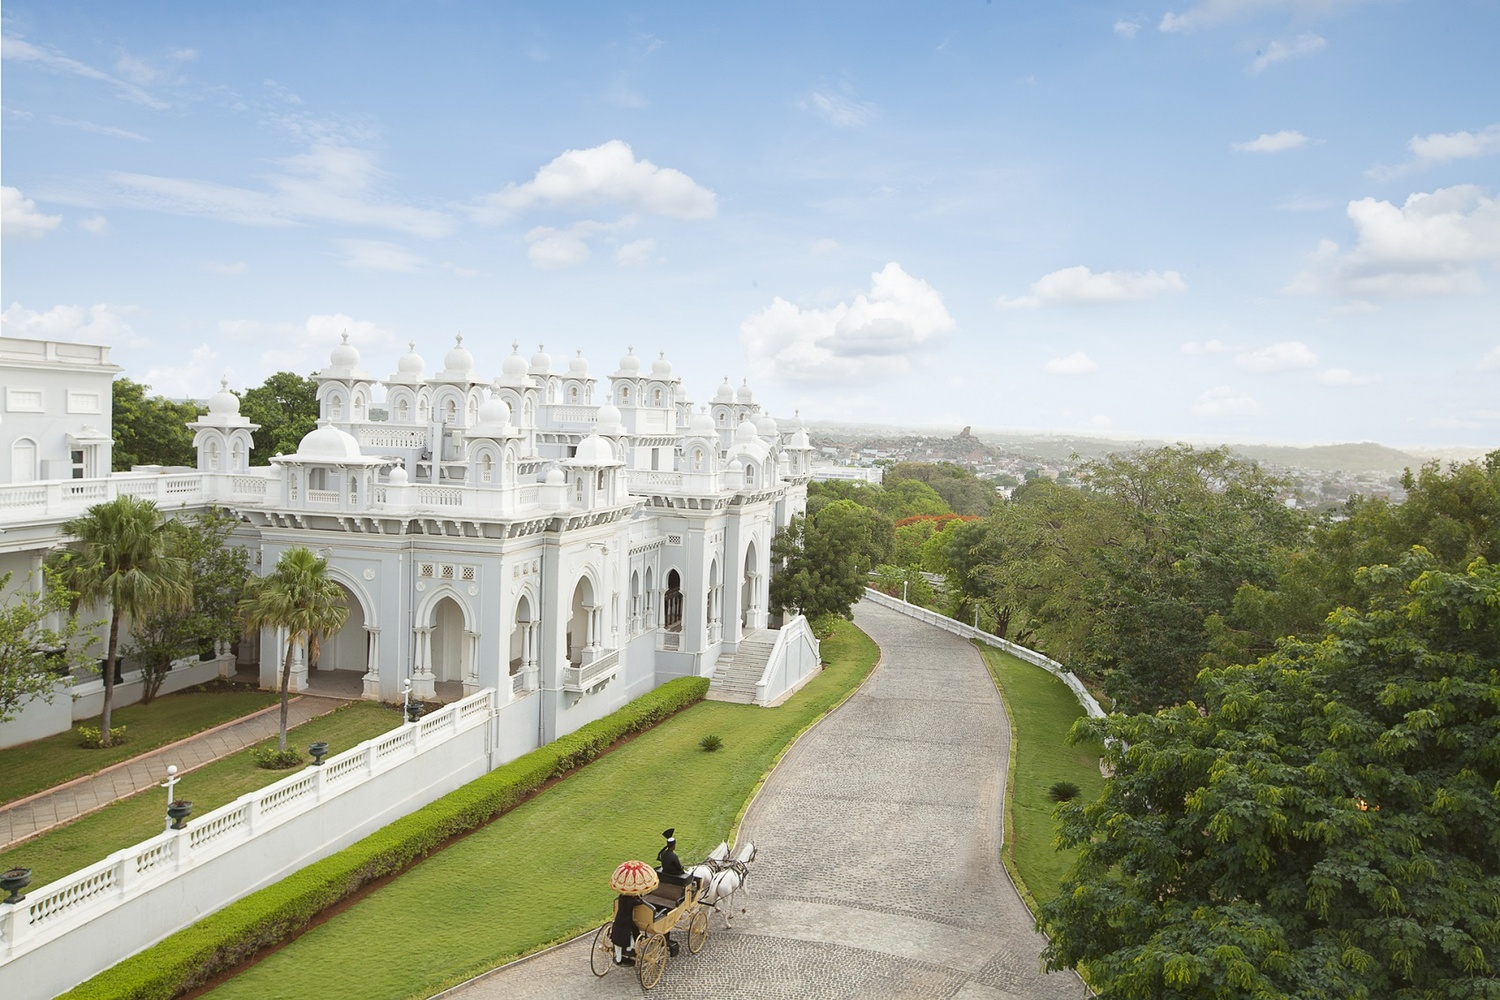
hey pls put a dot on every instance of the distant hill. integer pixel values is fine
(1364, 457)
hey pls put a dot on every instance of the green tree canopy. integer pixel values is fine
(150, 430)
(286, 408)
(960, 489)
(820, 564)
(33, 654)
(1327, 825)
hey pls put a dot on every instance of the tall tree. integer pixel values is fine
(150, 430)
(286, 408)
(33, 653)
(1326, 825)
(299, 596)
(121, 556)
(820, 564)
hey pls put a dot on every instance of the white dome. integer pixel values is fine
(743, 394)
(578, 365)
(594, 450)
(661, 367)
(494, 411)
(725, 392)
(607, 420)
(765, 425)
(411, 365)
(736, 467)
(556, 477)
(541, 361)
(630, 364)
(329, 444)
(398, 476)
(514, 364)
(458, 360)
(745, 432)
(700, 424)
(799, 439)
(344, 355)
(224, 403)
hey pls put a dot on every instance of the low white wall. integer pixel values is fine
(1090, 705)
(795, 658)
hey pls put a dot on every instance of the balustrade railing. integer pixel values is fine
(586, 675)
(70, 496)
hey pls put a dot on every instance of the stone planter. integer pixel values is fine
(179, 811)
(319, 750)
(413, 711)
(12, 882)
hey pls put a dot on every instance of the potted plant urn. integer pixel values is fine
(12, 882)
(319, 750)
(179, 811)
(413, 711)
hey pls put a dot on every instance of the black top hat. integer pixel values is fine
(670, 833)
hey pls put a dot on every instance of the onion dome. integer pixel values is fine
(745, 432)
(765, 426)
(397, 476)
(594, 450)
(700, 424)
(634, 878)
(578, 365)
(411, 366)
(329, 444)
(661, 367)
(224, 403)
(743, 394)
(607, 420)
(541, 361)
(458, 361)
(556, 477)
(630, 364)
(736, 467)
(514, 364)
(799, 440)
(344, 356)
(725, 392)
(495, 411)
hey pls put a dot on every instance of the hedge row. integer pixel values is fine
(228, 937)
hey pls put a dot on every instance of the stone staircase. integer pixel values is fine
(736, 673)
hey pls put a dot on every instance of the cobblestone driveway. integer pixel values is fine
(879, 873)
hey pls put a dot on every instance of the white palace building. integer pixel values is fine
(547, 533)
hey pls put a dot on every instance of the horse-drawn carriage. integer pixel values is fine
(661, 905)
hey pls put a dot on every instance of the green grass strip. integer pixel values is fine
(41, 764)
(1042, 710)
(122, 824)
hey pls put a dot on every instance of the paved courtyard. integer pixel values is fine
(879, 871)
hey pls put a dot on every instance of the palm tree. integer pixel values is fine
(299, 597)
(121, 555)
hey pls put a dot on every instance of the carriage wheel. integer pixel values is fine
(698, 930)
(602, 956)
(650, 959)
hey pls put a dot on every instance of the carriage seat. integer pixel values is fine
(665, 896)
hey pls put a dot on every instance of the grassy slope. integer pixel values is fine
(40, 764)
(130, 821)
(540, 873)
(1041, 710)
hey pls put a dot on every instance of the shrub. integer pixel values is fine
(90, 736)
(224, 939)
(1063, 791)
(823, 625)
(276, 760)
(710, 743)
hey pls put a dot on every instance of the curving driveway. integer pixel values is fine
(879, 872)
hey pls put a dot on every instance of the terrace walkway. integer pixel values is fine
(879, 871)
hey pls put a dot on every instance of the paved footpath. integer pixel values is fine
(879, 871)
(37, 813)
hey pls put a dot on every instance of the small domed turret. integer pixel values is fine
(344, 356)
(224, 403)
(578, 365)
(743, 393)
(458, 360)
(661, 367)
(494, 411)
(514, 365)
(630, 364)
(541, 361)
(745, 432)
(397, 476)
(765, 426)
(700, 424)
(725, 392)
(607, 420)
(411, 367)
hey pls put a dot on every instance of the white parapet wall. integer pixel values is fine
(74, 928)
(794, 660)
(1090, 705)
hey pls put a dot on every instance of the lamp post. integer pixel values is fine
(170, 782)
(904, 585)
(406, 699)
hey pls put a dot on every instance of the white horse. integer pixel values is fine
(723, 877)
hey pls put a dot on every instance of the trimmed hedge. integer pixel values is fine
(224, 939)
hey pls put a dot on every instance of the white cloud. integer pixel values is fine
(606, 174)
(823, 246)
(376, 255)
(1208, 347)
(1224, 401)
(1076, 363)
(238, 267)
(1343, 376)
(96, 224)
(110, 130)
(1430, 245)
(195, 379)
(16, 50)
(1127, 27)
(333, 181)
(1275, 142)
(1442, 147)
(1212, 13)
(840, 108)
(1282, 357)
(638, 253)
(99, 324)
(1078, 285)
(1302, 45)
(551, 249)
(874, 334)
(305, 346)
(1491, 361)
(20, 218)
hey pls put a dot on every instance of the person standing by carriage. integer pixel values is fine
(631, 880)
(667, 862)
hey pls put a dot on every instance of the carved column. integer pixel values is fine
(423, 684)
(471, 662)
(372, 662)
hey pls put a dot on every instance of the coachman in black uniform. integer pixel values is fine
(667, 862)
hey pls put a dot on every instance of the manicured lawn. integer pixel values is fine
(122, 824)
(540, 873)
(1041, 710)
(41, 764)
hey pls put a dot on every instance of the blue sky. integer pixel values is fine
(1249, 220)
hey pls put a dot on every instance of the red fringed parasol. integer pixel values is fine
(633, 878)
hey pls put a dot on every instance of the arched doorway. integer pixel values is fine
(748, 588)
(713, 603)
(448, 650)
(583, 623)
(340, 660)
(672, 603)
(523, 637)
